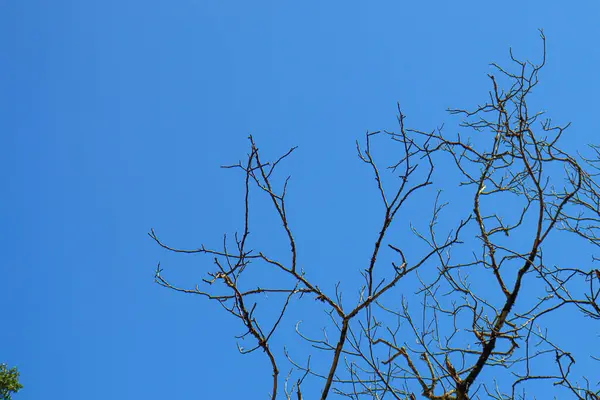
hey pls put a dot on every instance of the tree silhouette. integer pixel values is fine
(444, 335)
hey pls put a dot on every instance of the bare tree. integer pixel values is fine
(449, 337)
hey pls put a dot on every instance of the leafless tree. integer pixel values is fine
(484, 280)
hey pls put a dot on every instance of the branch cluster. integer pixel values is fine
(487, 282)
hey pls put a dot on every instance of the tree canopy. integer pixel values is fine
(9, 382)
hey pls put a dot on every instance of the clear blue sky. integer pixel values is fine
(115, 116)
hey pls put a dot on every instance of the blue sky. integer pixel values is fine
(116, 115)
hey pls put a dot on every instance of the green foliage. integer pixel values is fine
(9, 382)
